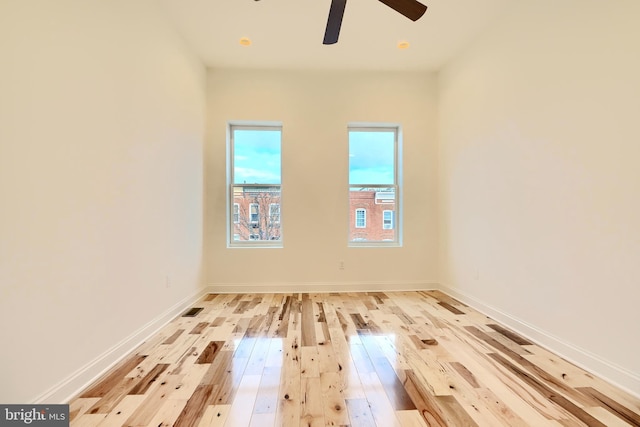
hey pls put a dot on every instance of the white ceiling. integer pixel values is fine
(288, 33)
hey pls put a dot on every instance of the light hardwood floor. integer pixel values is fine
(348, 359)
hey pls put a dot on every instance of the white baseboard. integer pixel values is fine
(318, 287)
(614, 374)
(70, 387)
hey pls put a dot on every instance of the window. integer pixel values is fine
(274, 212)
(387, 220)
(361, 218)
(254, 162)
(254, 213)
(374, 188)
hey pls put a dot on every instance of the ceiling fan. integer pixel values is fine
(412, 9)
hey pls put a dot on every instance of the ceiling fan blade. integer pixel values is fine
(412, 9)
(334, 22)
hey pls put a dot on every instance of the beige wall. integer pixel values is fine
(540, 183)
(101, 137)
(315, 108)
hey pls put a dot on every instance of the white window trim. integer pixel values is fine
(397, 186)
(271, 214)
(231, 232)
(384, 227)
(251, 214)
(236, 213)
(364, 218)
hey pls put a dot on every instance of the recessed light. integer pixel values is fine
(245, 41)
(403, 45)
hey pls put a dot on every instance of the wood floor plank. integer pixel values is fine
(466, 374)
(395, 390)
(288, 413)
(101, 388)
(210, 352)
(308, 327)
(255, 327)
(240, 410)
(219, 416)
(509, 334)
(191, 379)
(381, 407)
(612, 406)
(113, 396)
(171, 354)
(197, 403)
(327, 360)
(267, 396)
(309, 362)
(501, 409)
(534, 369)
(231, 379)
(454, 412)
(548, 393)
(199, 328)
(511, 392)
(148, 409)
(407, 320)
(123, 410)
(360, 413)
(606, 417)
(218, 321)
(258, 357)
(451, 308)
(311, 410)
(425, 402)
(335, 407)
(434, 372)
(352, 387)
(275, 354)
(81, 405)
(88, 420)
(411, 419)
(145, 383)
(167, 413)
(379, 359)
(173, 337)
(263, 420)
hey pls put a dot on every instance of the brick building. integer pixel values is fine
(256, 213)
(372, 215)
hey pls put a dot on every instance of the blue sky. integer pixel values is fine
(371, 157)
(257, 157)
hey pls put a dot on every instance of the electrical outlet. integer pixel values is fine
(340, 265)
(167, 284)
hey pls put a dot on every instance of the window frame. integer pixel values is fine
(236, 213)
(233, 126)
(396, 187)
(251, 213)
(364, 218)
(384, 220)
(271, 214)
